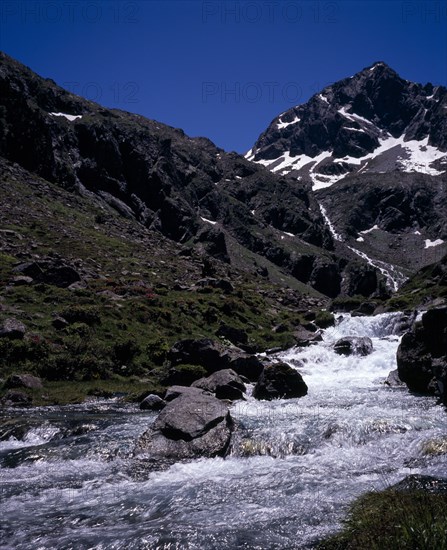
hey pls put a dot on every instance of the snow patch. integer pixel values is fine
(373, 228)
(208, 221)
(282, 125)
(353, 116)
(353, 129)
(360, 239)
(68, 117)
(429, 243)
(321, 96)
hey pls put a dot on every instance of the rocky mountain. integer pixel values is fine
(185, 188)
(374, 149)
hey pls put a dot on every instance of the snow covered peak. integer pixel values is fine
(373, 122)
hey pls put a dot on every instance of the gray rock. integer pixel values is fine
(248, 366)
(225, 384)
(279, 381)
(194, 424)
(21, 280)
(12, 329)
(393, 380)
(152, 403)
(23, 381)
(17, 398)
(176, 391)
(354, 345)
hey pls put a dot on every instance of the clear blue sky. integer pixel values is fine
(220, 69)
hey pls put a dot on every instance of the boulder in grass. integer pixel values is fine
(12, 329)
(23, 381)
(279, 381)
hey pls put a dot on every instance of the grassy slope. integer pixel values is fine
(136, 300)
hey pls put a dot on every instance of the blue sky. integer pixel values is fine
(220, 69)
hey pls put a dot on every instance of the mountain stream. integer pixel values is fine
(72, 482)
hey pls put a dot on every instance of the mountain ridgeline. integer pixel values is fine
(187, 189)
(346, 193)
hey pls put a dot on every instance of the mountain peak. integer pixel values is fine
(373, 121)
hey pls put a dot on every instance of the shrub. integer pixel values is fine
(81, 314)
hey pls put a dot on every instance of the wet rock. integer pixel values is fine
(279, 381)
(16, 427)
(152, 403)
(305, 337)
(248, 366)
(23, 381)
(354, 345)
(17, 398)
(422, 355)
(190, 426)
(393, 380)
(225, 384)
(414, 362)
(12, 329)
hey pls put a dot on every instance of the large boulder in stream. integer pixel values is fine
(422, 355)
(354, 345)
(279, 381)
(225, 384)
(193, 424)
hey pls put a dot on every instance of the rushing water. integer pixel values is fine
(72, 481)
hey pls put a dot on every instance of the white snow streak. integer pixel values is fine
(429, 243)
(68, 117)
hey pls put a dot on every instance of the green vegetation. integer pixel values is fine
(395, 520)
(138, 295)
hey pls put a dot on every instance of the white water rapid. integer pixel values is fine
(286, 485)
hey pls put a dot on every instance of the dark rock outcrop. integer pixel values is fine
(225, 384)
(354, 345)
(190, 426)
(279, 381)
(205, 352)
(51, 272)
(422, 355)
